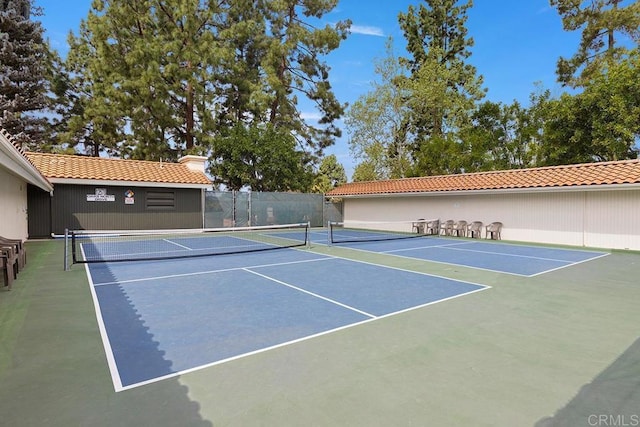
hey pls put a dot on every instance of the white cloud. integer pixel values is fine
(367, 30)
(310, 116)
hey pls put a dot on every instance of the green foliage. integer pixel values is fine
(600, 124)
(602, 22)
(443, 88)
(365, 171)
(143, 75)
(261, 158)
(162, 78)
(376, 122)
(503, 136)
(291, 67)
(330, 175)
(443, 155)
(24, 74)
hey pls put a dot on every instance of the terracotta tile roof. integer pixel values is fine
(587, 174)
(59, 166)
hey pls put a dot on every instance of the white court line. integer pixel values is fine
(575, 263)
(108, 351)
(568, 263)
(310, 293)
(407, 270)
(301, 339)
(483, 252)
(178, 244)
(220, 270)
(440, 262)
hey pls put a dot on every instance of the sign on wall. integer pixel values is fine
(128, 197)
(101, 196)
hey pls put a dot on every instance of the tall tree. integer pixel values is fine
(157, 78)
(24, 73)
(601, 123)
(603, 23)
(145, 71)
(260, 157)
(365, 171)
(504, 136)
(277, 59)
(443, 86)
(293, 67)
(377, 122)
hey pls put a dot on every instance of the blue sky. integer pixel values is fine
(517, 44)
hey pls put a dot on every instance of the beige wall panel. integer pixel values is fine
(613, 219)
(13, 206)
(607, 219)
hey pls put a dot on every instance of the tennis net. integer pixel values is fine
(372, 231)
(147, 245)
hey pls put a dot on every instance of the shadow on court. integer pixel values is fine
(612, 398)
(137, 355)
(52, 361)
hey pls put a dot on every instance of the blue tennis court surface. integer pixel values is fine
(162, 318)
(483, 254)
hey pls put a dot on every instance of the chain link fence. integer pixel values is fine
(239, 209)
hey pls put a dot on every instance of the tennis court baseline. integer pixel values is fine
(159, 319)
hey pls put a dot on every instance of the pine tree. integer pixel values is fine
(293, 67)
(145, 70)
(603, 23)
(277, 60)
(158, 78)
(443, 86)
(24, 67)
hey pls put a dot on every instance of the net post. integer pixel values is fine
(66, 250)
(307, 240)
(329, 231)
(73, 247)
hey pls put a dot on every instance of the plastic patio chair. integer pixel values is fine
(493, 231)
(459, 229)
(433, 226)
(446, 228)
(418, 226)
(474, 229)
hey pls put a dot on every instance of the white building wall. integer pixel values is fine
(602, 219)
(13, 206)
(613, 219)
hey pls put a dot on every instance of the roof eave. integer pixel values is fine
(566, 188)
(20, 166)
(121, 183)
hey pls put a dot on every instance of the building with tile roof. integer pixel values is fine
(17, 173)
(68, 169)
(94, 193)
(579, 176)
(592, 204)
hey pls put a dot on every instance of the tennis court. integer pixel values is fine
(163, 318)
(318, 335)
(518, 259)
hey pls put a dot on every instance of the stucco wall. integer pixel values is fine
(602, 219)
(13, 206)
